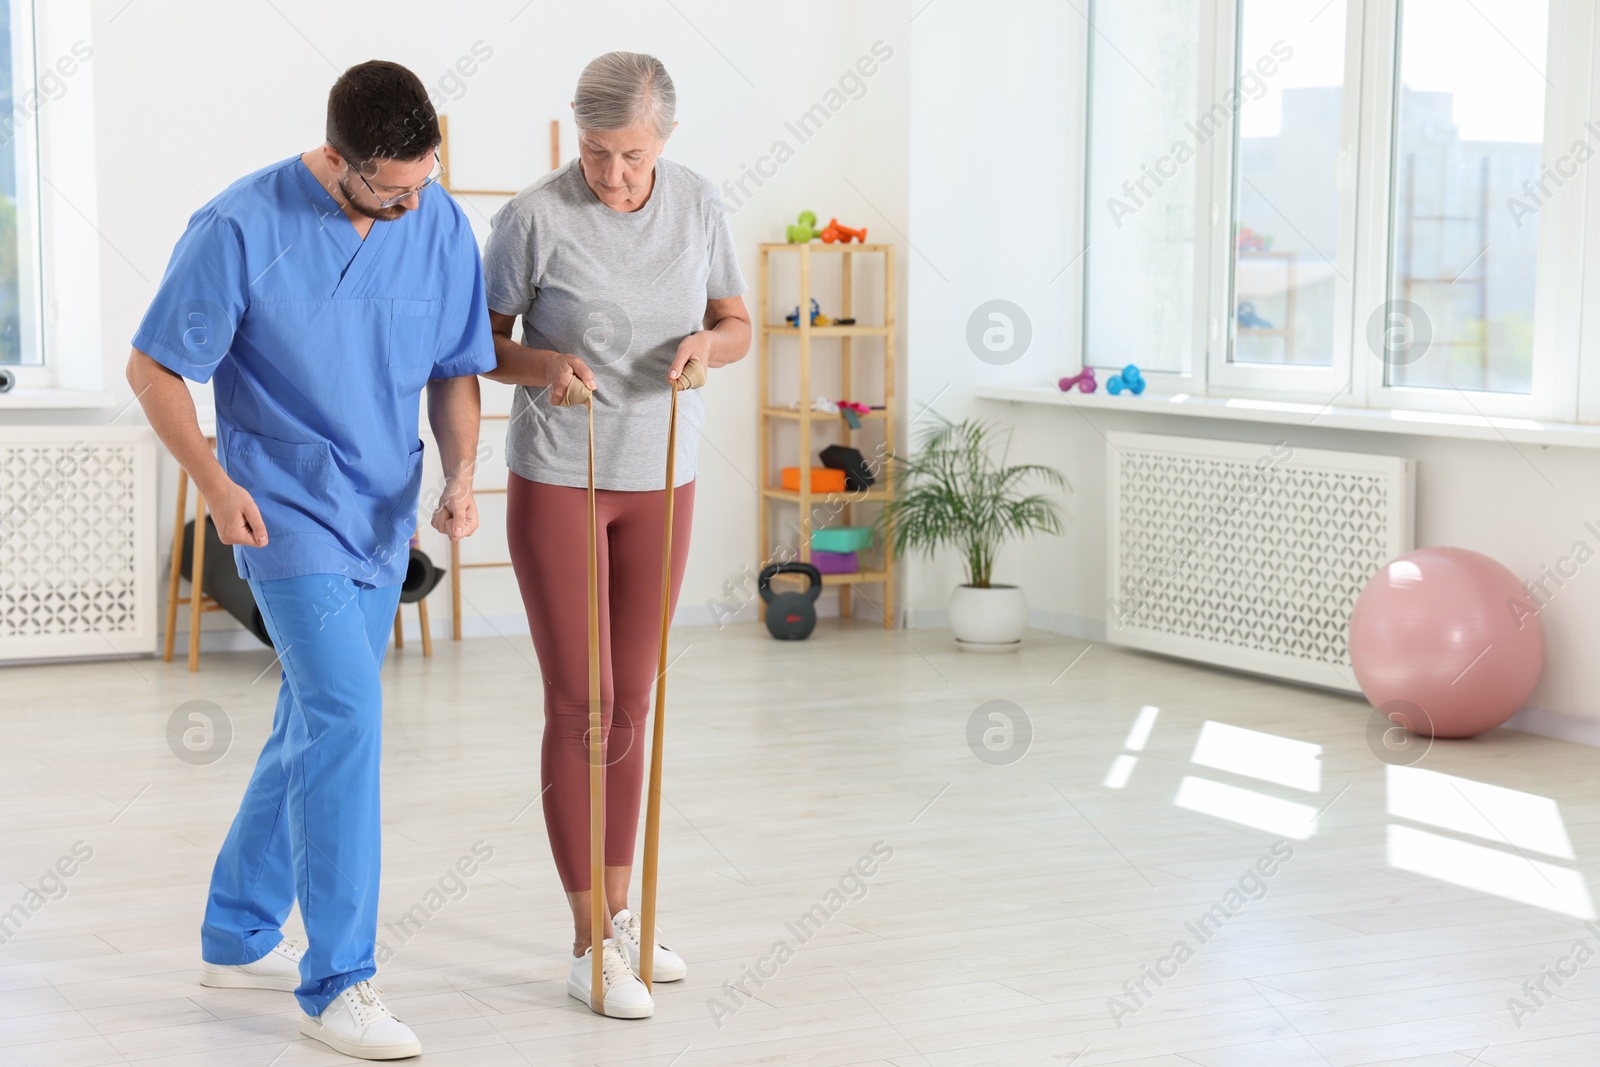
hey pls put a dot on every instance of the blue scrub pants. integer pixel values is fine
(309, 825)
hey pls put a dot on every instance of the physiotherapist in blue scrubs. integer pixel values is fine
(320, 296)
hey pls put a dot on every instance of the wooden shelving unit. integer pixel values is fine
(813, 424)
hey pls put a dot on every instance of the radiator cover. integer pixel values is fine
(1245, 555)
(77, 541)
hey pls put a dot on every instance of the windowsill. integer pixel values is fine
(46, 399)
(1376, 420)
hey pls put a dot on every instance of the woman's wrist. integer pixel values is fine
(550, 365)
(520, 364)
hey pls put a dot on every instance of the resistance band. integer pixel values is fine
(692, 376)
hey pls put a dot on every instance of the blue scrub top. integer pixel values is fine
(320, 344)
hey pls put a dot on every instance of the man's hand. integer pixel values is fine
(457, 514)
(170, 409)
(453, 407)
(237, 517)
(560, 373)
(695, 346)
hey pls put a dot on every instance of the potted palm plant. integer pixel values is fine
(953, 493)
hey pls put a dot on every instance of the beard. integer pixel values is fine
(380, 214)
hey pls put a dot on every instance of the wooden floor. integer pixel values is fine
(1020, 896)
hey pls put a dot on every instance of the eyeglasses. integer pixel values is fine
(438, 173)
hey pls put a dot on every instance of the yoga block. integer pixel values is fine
(823, 480)
(834, 562)
(842, 539)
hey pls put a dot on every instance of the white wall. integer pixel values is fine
(992, 206)
(191, 95)
(991, 217)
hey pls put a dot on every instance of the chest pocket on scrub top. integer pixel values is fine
(413, 332)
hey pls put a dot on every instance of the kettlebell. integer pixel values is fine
(791, 616)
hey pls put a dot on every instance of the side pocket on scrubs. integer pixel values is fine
(291, 482)
(413, 333)
(406, 517)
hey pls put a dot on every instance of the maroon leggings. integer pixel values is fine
(547, 527)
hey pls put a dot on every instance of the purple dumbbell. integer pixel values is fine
(1084, 380)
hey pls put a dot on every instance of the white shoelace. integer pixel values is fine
(614, 965)
(629, 928)
(291, 949)
(365, 1005)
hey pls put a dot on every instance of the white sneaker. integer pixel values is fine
(278, 969)
(665, 965)
(357, 1024)
(626, 996)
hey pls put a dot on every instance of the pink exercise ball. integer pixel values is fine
(1439, 629)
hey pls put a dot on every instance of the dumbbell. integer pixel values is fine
(7, 380)
(1084, 380)
(1129, 379)
(835, 232)
(806, 231)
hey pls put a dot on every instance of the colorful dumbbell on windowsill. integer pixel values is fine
(1084, 380)
(1129, 379)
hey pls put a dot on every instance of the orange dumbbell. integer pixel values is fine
(835, 232)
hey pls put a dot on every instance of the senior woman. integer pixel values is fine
(621, 265)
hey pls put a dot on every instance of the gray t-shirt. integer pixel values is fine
(619, 290)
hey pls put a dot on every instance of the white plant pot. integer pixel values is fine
(988, 620)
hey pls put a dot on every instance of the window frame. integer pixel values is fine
(1188, 380)
(1269, 380)
(77, 366)
(1556, 314)
(1566, 360)
(25, 35)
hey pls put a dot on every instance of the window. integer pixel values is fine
(1462, 252)
(1377, 203)
(1139, 300)
(19, 244)
(1289, 70)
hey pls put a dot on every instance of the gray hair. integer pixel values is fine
(623, 89)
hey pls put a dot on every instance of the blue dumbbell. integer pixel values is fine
(1129, 379)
